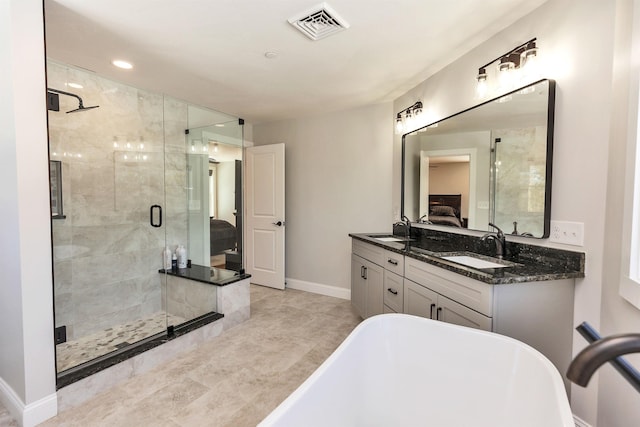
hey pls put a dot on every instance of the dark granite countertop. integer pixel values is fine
(210, 275)
(526, 263)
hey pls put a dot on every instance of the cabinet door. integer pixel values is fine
(374, 282)
(451, 312)
(418, 300)
(358, 293)
(386, 309)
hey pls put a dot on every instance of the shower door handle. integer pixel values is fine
(151, 220)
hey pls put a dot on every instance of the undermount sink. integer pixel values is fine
(390, 238)
(472, 261)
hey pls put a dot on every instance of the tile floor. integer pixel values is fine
(83, 349)
(237, 378)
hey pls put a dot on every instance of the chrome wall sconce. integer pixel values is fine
(406, 118)
(515, 68)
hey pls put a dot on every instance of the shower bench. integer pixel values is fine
(197, 290)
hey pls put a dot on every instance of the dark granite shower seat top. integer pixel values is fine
(527, 263)
(209, 275)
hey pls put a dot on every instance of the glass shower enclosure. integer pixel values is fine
(119, 196)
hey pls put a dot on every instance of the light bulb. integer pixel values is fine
(505, 74)
(399, 124)
(481, 85)
(530, 63)
(408, 120)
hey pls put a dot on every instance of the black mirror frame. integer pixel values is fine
(549, 155)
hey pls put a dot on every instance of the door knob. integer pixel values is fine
(279, 223)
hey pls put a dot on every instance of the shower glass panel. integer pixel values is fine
(215, 193)
(107, 245)
(519, 174)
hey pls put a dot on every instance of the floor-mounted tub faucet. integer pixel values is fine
(499, 239)
(602, 351)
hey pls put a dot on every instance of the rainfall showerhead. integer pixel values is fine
(81, 106)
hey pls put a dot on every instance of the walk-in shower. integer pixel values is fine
(112, 164)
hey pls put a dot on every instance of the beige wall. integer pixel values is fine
(338, 181)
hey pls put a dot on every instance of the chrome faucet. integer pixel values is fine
(598, 353)
(499, 239)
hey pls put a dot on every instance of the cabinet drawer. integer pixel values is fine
(373, 253)
(468, 292)
(393, 291)
(394, 262)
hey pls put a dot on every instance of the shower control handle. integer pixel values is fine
(151, 220)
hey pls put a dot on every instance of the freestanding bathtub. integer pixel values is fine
(402, 370)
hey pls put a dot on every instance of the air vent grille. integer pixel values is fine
(319, 22)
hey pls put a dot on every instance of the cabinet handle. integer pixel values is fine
(431, 311)
(392, 261)
(438, 311)
(365, 273)
(393, 291)
(362, 271)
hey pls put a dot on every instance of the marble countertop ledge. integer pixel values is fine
(209, 275)
(532, 263)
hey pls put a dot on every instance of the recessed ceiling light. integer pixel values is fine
(122, 64)
(75, 85)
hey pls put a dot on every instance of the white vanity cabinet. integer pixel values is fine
(376, 280)
(538, 313)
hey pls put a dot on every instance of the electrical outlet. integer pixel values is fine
(569, 233)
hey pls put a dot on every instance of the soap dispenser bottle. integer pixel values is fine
(166, 258)
(181, 252)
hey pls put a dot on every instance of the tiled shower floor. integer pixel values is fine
(76, 352)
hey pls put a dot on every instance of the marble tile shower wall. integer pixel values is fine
(117, 161)
(520, 185)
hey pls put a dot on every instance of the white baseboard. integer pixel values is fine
(318, 288)
(28, 415)
(580, 423)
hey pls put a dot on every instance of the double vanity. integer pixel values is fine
(527, 295)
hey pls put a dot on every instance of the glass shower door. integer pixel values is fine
(107, 249)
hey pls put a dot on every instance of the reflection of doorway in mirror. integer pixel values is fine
(446, 172)
(212, 190)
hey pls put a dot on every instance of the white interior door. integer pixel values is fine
(265, 215)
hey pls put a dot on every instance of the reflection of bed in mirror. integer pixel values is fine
(223, 236)
(444, 209)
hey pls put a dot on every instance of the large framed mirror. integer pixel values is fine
(488, 164)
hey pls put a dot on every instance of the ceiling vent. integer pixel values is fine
(319, 22)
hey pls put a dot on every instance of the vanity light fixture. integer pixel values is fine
(406, 118)
(515, 68)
